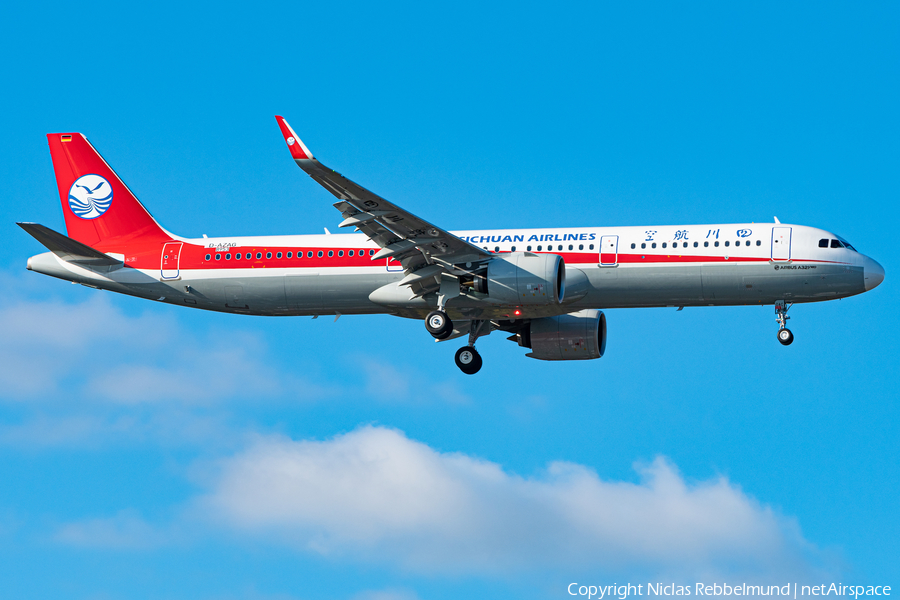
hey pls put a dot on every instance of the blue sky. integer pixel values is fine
(154, 452)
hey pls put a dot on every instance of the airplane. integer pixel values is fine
(546, 287)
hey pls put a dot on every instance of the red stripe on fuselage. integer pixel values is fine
(194, 257)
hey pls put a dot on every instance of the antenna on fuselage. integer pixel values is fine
(777, 221)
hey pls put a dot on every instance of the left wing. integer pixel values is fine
(424, 250)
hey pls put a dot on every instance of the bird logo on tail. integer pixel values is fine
(90, 196)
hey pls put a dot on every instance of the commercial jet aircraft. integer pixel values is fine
(546, 287)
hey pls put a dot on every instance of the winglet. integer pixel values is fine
(298, 149)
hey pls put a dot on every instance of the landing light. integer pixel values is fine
(517, 313)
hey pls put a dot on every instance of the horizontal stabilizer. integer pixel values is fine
(68, 249)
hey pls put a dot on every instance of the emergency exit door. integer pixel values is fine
(171, 258)
(609, 250)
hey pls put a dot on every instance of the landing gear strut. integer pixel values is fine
(467, 358)
(784, 334)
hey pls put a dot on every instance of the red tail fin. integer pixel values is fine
(97, 206)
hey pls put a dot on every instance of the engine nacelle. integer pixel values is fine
(577, 336)
(524, 279)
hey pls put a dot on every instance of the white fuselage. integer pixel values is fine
(606, 267)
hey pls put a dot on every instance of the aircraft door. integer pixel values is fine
(781, 243)
(393, 266)
(171, 258)
(609, 250)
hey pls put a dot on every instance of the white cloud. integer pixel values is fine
(386, 383)
(45, 341)
(170, 427)
(94, 350)
(388, 594)
(125, 531)
(374, 493)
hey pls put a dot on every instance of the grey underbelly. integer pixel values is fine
(721, 285)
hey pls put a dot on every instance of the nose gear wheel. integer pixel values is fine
(784, 334)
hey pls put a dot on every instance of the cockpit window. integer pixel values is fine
(846, 244)
(836, 244)
(823, 243)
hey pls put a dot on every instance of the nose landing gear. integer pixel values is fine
(784, 334)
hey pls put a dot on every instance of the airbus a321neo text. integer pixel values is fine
(544, 287)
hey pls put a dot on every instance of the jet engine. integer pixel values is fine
(577, 336)
(522, 278)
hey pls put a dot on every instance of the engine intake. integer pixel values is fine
(523, 278)
(577, 336)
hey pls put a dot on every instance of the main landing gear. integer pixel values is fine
(439, 324)
(784, 334)
(467, 358)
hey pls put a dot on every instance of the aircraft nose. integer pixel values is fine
(874, 274)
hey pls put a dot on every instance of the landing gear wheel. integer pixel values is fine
(468, 360)
(439, 324)
(785, 337)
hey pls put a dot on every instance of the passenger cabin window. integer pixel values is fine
(706, 244)
(528, 248)
(823, 243)
(278, 255)
(340, 253)
(330, 253)
(268, 255)
(308, 254)
(496, 248)
(319, 254)
(653, 245)
(228, 256)
(581, 246)
(571, 247)
(208, 257)
(218, 256)
(716, 244)
(290, 254)
(696, 244)
(727, 243)
(643, 245)
(664, 244)
(633, 246)
(591, 247)
(758, 243)
(539, 248)
(258, 255)
(513, 249)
